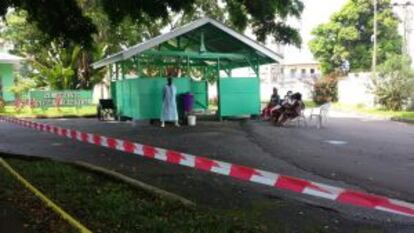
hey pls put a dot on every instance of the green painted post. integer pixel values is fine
(188, 66)
(123, 70)
(116, 71)
(110, 72)
(136, 59)
(258, 79)
(218, 90)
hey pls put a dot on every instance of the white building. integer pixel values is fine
(297, 76)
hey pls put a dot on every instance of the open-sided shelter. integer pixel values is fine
(198, 52)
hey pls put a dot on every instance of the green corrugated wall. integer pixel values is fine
(239, 96)
(7, 81)
(140, 98)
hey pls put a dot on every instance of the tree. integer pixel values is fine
(67, 21)
(346, 38)
(58, 19)
(61, 64)
(62, 60)
(395, 82)
(55, 61)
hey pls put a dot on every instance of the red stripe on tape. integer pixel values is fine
(361, 199)
(129, 147)
(292, 183)
(97, 139)
(73, 134)
(63, 132)
(205, 164)
(242, 172)
(111, 143)
(174, 157)
(401, 209)
(84, 137)
(149, 151)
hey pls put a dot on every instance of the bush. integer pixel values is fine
(326, 89)
(2, 104)
(394, 84)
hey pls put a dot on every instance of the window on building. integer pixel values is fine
(293, 73)
(302, 73)
(312, 71)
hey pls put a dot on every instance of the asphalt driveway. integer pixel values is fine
(361, 153)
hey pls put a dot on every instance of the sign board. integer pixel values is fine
(66, 98)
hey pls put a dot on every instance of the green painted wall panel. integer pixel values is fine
(200, 92)
(239, 96)
(141, 98)
(7, 81)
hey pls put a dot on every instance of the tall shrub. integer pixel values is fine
(326, 89)
(394, 84)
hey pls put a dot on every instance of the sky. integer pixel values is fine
(316, 12)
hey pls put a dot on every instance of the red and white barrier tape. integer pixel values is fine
(294, 184)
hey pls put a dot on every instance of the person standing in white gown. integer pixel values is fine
(169, 104)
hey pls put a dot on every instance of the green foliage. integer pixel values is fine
(347, 36)
(2, 104)
(395, 83)
(62, 61)
(21, 85)
(67, 20)
(53, 112)
(64, 65)
(326, 89)
(56, 18)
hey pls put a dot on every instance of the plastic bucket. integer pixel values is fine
(191, 119)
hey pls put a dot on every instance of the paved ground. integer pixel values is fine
(375, 157)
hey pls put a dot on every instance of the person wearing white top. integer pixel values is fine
(169, 104)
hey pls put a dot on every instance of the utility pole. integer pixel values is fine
(374, 49)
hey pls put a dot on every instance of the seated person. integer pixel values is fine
(274, 101)
(290, 110)
(277, 110)
(287, 98)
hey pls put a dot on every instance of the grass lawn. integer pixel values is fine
(50, 112)
(106, 205)
(103, 204)
(375, 111)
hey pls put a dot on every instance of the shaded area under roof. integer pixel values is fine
(204, 39)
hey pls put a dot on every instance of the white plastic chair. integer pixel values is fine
(321, 114)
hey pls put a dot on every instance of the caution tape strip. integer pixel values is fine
(72, 221)
(298, 185)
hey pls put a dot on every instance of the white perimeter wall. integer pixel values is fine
(355, 89)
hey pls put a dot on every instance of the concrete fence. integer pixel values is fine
(355, 89)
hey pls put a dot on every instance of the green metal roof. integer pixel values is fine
(204, 39)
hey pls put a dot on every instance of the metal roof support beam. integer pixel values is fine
(195, 55)
(152, 43)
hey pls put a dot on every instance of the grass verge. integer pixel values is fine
(105, 205)
(375, 111)
(50, 112)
